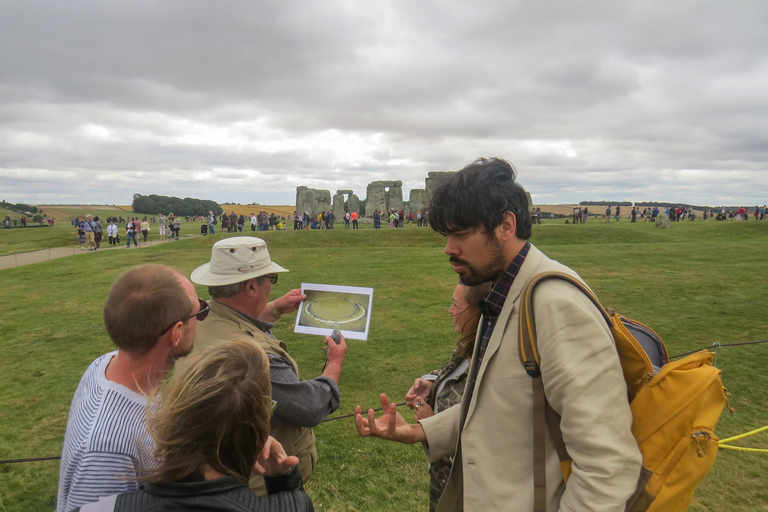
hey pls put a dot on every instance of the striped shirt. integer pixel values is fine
(106, 439)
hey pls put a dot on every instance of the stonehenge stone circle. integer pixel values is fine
(380, 195)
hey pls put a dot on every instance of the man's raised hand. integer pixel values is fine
(390, 425)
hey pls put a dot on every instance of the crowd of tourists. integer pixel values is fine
(90, 230)
(22, 222)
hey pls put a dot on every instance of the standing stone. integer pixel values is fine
(416, 200)
(301, 199)
(375, 199)
(662, 220)
(312, 201)
(338, 204)
(354, 204)
(431, 181)
(395, 196)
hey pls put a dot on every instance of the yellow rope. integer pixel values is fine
(724, 442)
(736, 438)
(741, 449)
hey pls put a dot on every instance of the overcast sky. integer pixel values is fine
(244, 101)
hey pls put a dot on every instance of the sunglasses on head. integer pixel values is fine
(201, 315)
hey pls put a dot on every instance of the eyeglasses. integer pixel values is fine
(201, 315)
(272, 278)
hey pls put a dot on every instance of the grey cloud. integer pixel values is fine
(245, 101)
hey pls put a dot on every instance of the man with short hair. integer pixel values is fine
(211, 221)
(89, 226)
(482, 212)
(239, 277)
(151, 316)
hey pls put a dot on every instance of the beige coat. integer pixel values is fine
(492, 433)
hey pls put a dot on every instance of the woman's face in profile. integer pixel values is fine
(459, 308)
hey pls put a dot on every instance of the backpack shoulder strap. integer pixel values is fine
(529, 354)
(543, 413)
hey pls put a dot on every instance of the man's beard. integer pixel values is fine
(489, 272)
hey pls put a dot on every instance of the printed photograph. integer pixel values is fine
(329, 307)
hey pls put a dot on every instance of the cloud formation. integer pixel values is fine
(245, 101)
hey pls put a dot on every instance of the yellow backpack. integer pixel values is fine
(675, 407)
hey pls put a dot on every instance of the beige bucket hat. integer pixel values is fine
(234, 260)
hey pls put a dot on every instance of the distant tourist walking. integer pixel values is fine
(112, 233)
(176, 227)
(130, 233)
(211, 221)
(144, 228)
(89, 228)
(161, 225)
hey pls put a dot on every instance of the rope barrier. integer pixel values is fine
(742, 449)
(351, 415)
(724, 442)
(717, 345)
(14, 461)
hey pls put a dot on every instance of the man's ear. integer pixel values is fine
(174, 334)
(508, 227)
(251, 288)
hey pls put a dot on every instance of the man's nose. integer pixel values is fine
(451, 248)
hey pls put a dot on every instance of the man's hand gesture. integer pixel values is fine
(390, 425)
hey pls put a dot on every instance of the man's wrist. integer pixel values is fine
(273, 310)
(419, 436)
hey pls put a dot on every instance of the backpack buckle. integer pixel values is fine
(532, 368)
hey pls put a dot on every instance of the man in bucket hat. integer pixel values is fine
(239, 277)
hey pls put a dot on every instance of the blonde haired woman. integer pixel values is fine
(211, 431)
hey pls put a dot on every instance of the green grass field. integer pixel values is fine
(695, 284)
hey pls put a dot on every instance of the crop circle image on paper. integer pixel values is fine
(333, 310)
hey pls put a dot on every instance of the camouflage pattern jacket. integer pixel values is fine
(450, 395)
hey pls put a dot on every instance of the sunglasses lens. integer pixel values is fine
(204, 310)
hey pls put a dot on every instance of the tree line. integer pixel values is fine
(18, 207)
(154, 203)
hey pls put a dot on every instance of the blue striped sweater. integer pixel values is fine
(106, 442)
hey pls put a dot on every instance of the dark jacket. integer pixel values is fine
(286, 494)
